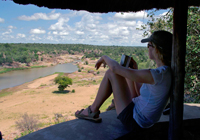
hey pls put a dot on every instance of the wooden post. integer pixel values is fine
(178, 68)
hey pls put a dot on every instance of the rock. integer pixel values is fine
(84, 79)
(91, 71)
(29, 64)
(38, 53)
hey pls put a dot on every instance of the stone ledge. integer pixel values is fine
(111, 128)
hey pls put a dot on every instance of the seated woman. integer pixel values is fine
(139, 95)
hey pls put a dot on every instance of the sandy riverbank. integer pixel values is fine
(41, 99)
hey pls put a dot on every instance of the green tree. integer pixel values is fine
(192, 65)
(63, 82)
(9, 59)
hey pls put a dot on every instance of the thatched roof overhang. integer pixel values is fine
(105, 6)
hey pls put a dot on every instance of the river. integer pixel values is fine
(18, 77)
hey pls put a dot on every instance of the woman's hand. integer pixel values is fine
(133, 64)
(99, 62)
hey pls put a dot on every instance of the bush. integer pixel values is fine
(57, 118)
(27, 123)
(79, 70)
(82, 68)
(63, 82)
(73, 90)
(98, 72)
(86, 62)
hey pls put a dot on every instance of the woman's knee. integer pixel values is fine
(111, 75)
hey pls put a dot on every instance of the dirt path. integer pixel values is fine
(41, 99)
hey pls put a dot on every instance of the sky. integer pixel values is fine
(32, 24)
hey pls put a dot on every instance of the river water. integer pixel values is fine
(15, 78)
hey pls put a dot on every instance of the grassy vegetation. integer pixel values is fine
(38, 66)
(106, 104)
(59, 73)
(42, 85)
(4, 70)
(2, 94)
(93, 65)
(23, 134)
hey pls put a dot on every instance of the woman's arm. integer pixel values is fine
(140, 76)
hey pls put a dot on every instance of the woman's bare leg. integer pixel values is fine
(105, 90)
(116, 84)
(131, 85)
(121, 91)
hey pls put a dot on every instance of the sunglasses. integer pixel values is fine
(150, 45)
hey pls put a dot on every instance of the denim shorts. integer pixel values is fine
(126, 117)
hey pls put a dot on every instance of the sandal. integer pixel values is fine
(92, 116)
(111, 107)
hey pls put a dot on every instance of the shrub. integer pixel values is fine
(82, 68)
(86, 62)
(27, 123)
(57, 117)
(98, 72)
(63, 82)
(73, 90)
(79, 70)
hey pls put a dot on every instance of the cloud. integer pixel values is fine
(43, 16)
(21, 35)
(131, 15)
(163, 14)
(2, 20)
(55, 33)
(34, 37)
(130, 23)
(104, 37)
(79, 33)
(12, 27)
(60, 25)
(88, 28)
(89, 22)
(63, 33)
(7, 32)
(37, 31)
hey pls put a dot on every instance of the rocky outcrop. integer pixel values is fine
(46, 60)
(12, 65)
